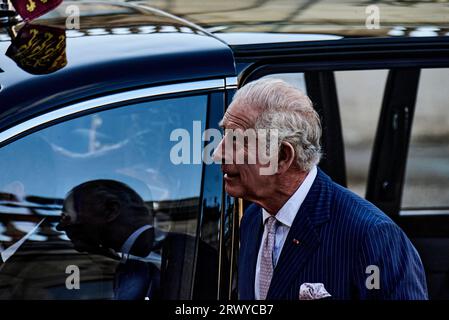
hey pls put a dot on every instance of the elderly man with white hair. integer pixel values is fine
(304, 236)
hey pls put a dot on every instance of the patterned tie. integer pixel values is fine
(266, 262)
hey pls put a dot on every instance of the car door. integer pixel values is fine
(365, 93)
(131, 138)
(408, 175)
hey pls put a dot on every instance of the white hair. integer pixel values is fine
(285, 108)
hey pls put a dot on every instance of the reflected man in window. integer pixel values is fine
(107, 217)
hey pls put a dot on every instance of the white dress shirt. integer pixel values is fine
(285, 218)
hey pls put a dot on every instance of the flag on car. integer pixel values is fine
(32, 9)
(39, 49)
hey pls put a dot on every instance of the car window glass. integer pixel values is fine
(427, 173)
(360, 96)
(119, 161)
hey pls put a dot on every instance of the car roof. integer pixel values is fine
(118, 46)
(134, 44)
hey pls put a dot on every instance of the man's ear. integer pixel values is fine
(286, 156)
(111, 209)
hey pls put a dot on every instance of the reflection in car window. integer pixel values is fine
(129, 148)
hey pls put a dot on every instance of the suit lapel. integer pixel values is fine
(303, 238)
(252, 250)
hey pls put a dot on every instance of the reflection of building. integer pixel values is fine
(5, 11)
(182, 216)
(176, 215)
(37, 270)
(3, 4)
(173, 215)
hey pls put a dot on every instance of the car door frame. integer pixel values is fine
(315, 59)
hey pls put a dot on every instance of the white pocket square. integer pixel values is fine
(312, 291)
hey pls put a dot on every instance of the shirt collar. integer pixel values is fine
(288, 212)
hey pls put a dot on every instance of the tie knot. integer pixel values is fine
(271, 223)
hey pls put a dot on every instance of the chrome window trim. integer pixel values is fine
(231, 83)
(423, 212)
(110, 99)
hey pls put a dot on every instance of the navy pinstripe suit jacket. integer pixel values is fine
(340, 235)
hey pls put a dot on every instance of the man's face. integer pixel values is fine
(80, 227)
(241, 179)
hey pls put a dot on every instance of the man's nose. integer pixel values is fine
(63, 222)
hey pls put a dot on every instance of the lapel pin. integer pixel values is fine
(296, 242)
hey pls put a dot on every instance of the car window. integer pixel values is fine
(360, 96)
(109, 173)
(427, 173)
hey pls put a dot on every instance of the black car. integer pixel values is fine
(103, 101)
